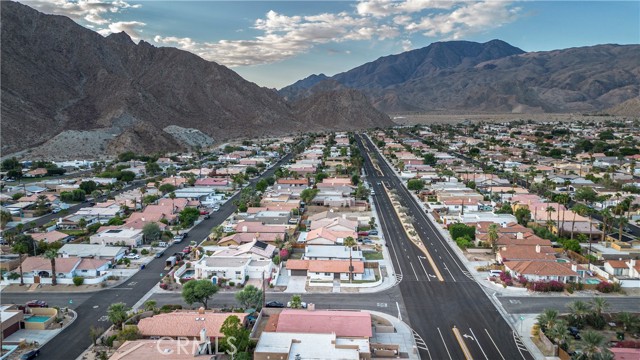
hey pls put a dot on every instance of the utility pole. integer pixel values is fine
(264, 298)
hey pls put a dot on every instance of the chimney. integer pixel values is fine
(538, 248)
(574, 267)
(519, 236)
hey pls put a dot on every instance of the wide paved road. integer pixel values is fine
(435, 307)
(92, 310)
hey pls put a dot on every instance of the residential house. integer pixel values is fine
(526, 253)
(51, 237)
(324, 236)
(122, 236)
(321, 252)
(96, 251)
(543, 270)
(66, 268)
(231, 268)
(185, 324)
(325, 270)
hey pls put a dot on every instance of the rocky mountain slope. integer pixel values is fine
(63, 83)
(492, 77)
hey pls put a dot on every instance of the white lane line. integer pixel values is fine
(425, 270)
(445, 344)
(494, 344)
(383, 223)
(399, 314)
(478, 342)
(414, 270)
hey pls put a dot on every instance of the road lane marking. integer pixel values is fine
(462, 344)
(478, 342)
(445, 344)
(520, 345)
(383, 224)
(414, 270)
(425, 270)
(494, 344)
(399, 313)
(420, 343)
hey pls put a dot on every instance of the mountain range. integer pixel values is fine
(68, 91)
(491, 77)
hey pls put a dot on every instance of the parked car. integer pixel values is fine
(373, 232)
(30, 355)
(204, 212)
(363, 233)
(575, 332)
(274, 304)
(132, 256)
(178, 238)
(302, 304)
(367, 242)
(159, 254)
(37, 304)
(216, 208)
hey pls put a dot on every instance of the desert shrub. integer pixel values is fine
(170, 307)
(78, 280)
(231, 283)
(144, 252)
(605, 287)
(546, 286)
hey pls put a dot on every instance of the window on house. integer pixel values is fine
(327, 274)
(238, 273)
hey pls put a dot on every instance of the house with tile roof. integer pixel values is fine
(324, 236)
(543, 270)
(345, 324)
(66, 267)
(325, 270)
(185, 324)
(526, 253)
(51, 237)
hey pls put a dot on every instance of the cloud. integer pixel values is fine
(285, 37)
(130, 27)
(406, 45)
(384, 8)
(91, 11)
(466, 19)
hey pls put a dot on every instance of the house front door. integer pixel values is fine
(36, 279)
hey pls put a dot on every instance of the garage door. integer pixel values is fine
(298, 272)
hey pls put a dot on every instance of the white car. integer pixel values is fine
(302, 304)
(132, 256)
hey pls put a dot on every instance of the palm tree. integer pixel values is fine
(592, 342)
(549, 210)
(599, 305)
(559, 333)
(350, 242)
(493, 237)
(606, 217)
(603, 354)
(52, 254)
(628, 320)
(21, 248)
(547, 318)
(579, 311)
(622, 221)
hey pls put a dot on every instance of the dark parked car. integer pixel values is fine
(274, 304)
(575, 332)
(30, 355)
(37, 304)
(373, 232)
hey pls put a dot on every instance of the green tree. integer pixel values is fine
(627, 320)
(547, 318)
(166, 188)
(152, 168)
(578, 311)
(505, 209)
(262, 185)
(151, 232)
(586, 194)
(307, 195)
(188, 216)
(415, 184)
(150, 305)
(523, 216)
(118, 313)
(493, 237)
(198, 291)
(5, 217)
(559, 333)
(21, 248)
(592, 342)
(599, 305)
(296, 302)
(11, 164)
(429, 159)
(236, 336)
(88, 186)
(461, 230)
(350, 242)
(52, 255)
(249, 297)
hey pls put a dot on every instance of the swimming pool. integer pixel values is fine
(592, 281)
(188, 274)
(562, 260)
(36, 318)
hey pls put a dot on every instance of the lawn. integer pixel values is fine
(373, 255)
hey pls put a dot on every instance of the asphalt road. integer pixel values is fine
(436, 307)
(92, 308)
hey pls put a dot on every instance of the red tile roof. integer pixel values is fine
(353, 324)
(185, 323)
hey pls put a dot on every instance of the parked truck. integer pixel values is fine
(171, 262)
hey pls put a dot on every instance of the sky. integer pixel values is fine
(275, 43)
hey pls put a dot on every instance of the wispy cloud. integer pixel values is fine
(282, 36)
(92, 11)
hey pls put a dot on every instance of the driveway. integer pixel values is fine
(296, 285)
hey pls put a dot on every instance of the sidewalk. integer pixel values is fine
(403, 335)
